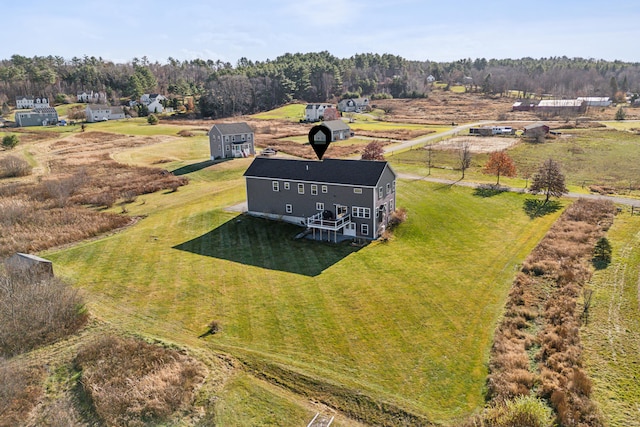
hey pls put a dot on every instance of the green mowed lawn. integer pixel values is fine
(612, 336)
(410, 321)
(291, 112)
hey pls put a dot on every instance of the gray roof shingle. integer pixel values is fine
(365, 173)
(233, 128)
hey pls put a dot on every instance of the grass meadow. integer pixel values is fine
(601, 157)
(612, 336)
(409, 321)
(290, 112)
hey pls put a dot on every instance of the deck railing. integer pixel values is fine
(334, 224)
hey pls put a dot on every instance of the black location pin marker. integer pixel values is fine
(319, 139)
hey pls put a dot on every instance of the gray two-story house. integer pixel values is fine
(333, 197)
(37, 117)
(231, 140)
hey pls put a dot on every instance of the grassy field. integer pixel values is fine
(612, 337)
(399, 321)
(290, 112)
(602, 157)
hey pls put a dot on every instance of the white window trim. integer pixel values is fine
(275, 185)
(286, 185)
(300, 188)
(325, 189)
(380, 192)
(357, 190)
(319, 206)
(314, 189)
(364, 229)
(360, 212)
(288, 208)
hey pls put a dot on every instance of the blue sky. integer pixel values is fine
(120, 30)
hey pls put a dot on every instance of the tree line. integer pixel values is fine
(223, 89)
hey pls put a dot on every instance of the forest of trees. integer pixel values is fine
(223, 89)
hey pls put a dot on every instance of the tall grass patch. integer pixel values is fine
(130, 382)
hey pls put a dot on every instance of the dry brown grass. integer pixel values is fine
(542, 313)
(51, 211)
(36, 311)
(133, 383)
(20, 390)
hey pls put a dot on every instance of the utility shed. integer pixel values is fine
(26, 264)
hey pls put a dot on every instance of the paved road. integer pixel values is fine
(615, 199)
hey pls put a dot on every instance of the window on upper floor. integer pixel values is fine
(300, 188)
(325, 189)
(314, 189)
(288, 208)
(286, 185)
(275, 185)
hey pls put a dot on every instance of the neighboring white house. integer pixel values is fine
(23, 102)
(353, 105)
(596, 101)
(100, 113)
(153, 101)
(315, 112)
(430, 79)
(94, 97)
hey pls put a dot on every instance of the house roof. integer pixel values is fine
(560, 103)
(535, 126)
(19, 255)
(364, 173)
(335, 125)
(594, 98)
(114, 109)
(233, 128)
(45, 110)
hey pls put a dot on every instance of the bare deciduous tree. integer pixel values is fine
(464, 157)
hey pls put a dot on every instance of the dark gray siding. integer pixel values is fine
(264, 200)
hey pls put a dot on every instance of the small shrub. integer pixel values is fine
(524, 411)
(10, 141)
(152, 119)
(602, 253)
(12, 166)
(397, 217)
